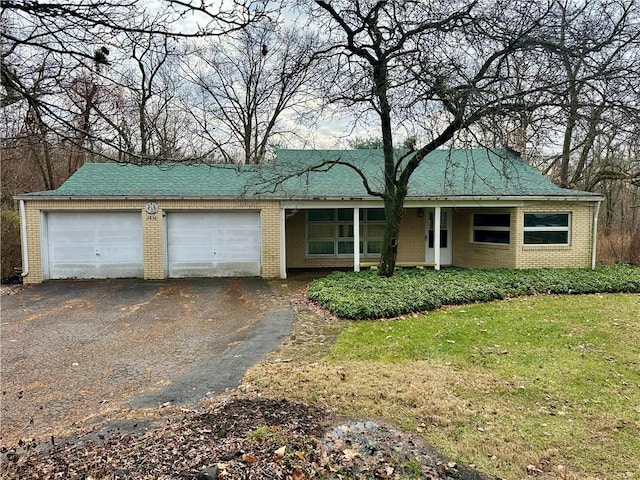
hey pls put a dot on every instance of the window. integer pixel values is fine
(491, 227)
(330, 231)
(444, 236)
(546, 229)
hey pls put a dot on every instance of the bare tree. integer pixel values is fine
(596, 51)
(585, 136)
(146, 116)
(397, 60)
(77, 37)
(249, 81)
(444, 66)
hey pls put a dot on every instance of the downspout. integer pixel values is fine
(23, 238)
(594, 245)
(283, 243)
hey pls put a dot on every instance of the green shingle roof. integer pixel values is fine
(443, 173)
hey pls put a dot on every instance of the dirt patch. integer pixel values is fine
(239, 437)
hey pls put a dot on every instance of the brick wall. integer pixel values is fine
(411, 244)
(153, 248)
(467, 254)
(576, 254)
(518, 255)
(153, 229)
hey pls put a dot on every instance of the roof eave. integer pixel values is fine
(438, 198)
(153, 196)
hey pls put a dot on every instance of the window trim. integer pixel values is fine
(566, 228)
(490, 228)
(337, 222)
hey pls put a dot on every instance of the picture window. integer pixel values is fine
(492, 228)
(546, 228)
(330, 231)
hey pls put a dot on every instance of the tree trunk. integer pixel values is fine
(393, 206)
(41, 153)
(393, 195)
(565, 159)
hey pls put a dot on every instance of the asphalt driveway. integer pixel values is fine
(76, 350)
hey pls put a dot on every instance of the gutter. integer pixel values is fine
(594, 244)
(23, 238)
(409, 201)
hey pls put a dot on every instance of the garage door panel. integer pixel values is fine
(104, 271)
(185, 237)
(117, 237)
(89, 254)
(70, 236)
(116, 254)
(190, 255)
(79, 219)
(215, 269)
(213, 244)
(246, 252)
(94, 245)
(246, 236)
(70, 253)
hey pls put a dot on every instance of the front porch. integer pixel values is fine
(468, 234)
(352, 237)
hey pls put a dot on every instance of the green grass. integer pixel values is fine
(365, 295)
(566, 369)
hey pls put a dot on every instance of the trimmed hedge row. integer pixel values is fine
(366, 295)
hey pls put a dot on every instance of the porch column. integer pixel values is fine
(356, 239)
(283, 244)
(436, 237)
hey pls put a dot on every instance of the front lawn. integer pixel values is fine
(364, 295)
(548, 384)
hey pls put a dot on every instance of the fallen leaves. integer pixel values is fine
(279, 453)
(286, 440)
(187, 446)
(248, 458)
(350, 454)
(533, 470)
(367, 450)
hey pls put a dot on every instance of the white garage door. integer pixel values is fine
(93, 245)
(213, 244)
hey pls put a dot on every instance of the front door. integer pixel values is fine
(445, 236)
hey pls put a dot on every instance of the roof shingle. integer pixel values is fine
(443, 173)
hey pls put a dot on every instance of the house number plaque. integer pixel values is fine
(151, 208)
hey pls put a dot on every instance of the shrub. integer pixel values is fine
(10, 242)
(365, 295)
(620, 246)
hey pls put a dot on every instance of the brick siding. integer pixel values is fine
(576, 254)
(153, 229)
(411, 247)
(468, 254)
